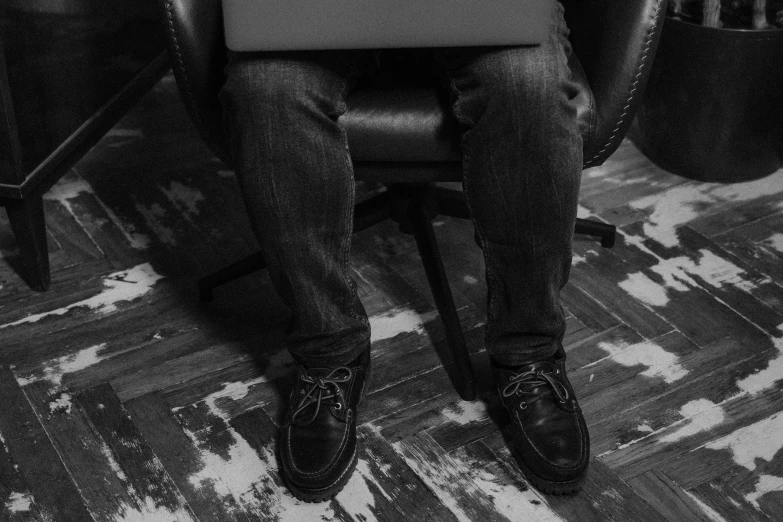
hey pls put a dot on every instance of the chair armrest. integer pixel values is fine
(198, 55)
(615, 42)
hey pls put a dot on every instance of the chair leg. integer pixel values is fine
(233, 271)
(29, 227)
(436, 275)
(605, 231)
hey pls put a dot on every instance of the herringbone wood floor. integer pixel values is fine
(125, 399)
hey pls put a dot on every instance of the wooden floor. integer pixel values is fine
(124, 399)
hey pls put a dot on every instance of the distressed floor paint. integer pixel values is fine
(122, 286)
(681, 204)
(659, 363)
(397, 321)
(703, 409)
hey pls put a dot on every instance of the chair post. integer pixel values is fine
(419, 220)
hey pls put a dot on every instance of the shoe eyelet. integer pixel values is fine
(338, 406)
(522, 405)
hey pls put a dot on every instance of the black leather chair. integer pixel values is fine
(401, 133)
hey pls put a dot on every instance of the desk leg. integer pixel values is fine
(27, 221)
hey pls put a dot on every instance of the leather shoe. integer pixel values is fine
(318, 449)
(550, 439)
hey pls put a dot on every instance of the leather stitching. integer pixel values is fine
(337, 480)
(179, 64)
(635, 84)
(332, 464)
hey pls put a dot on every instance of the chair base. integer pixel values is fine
(414, 206)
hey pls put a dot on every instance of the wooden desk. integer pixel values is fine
(69, 70)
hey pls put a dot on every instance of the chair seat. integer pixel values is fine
(407, 124)
(415, 124)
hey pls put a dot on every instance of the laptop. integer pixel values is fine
(279, 25)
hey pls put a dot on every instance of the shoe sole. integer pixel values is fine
(568, 487)
(329, 492)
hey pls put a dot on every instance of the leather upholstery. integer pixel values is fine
(614, 42)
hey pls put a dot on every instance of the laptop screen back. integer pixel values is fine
(268, 25)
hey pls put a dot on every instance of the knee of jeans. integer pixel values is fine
(271, 85)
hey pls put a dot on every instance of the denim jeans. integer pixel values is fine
(522, 161)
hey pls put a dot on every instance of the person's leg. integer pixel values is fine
(293, 165)
(522, 158)
(291, 158)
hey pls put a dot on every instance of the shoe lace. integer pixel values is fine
(319, 389)
(521, 381)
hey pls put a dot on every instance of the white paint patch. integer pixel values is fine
(679, 205)
(245, 476)
(710, 513)
(678, 273)
(234, 475)
(18, 502)
(644, 428)
(142, 509)
(251, 481)
(469, 279)
(439, 483)
(712, 269)
(465, 412)
(153, 216)
(613, 493)
(508, 500)
(356, 497)
(68, 188)
(117, 287)
(775, 242)
(644, 289)
(54, 370)
(659, 362)
(145, 510)
(231, 391)
(115, 466)
(397, 321)
(576, 259)
(699, 416)
(184, 199)
(584, 212)
(765, 484)
(511, 502)
(767, 377)
(61, 403)
(761, 440)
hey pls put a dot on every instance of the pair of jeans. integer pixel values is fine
(522, 161)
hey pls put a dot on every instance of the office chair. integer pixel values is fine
(401, 132)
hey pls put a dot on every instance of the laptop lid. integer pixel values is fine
(268, 25)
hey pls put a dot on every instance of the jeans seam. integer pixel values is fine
(348, 217)
(467, 126)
